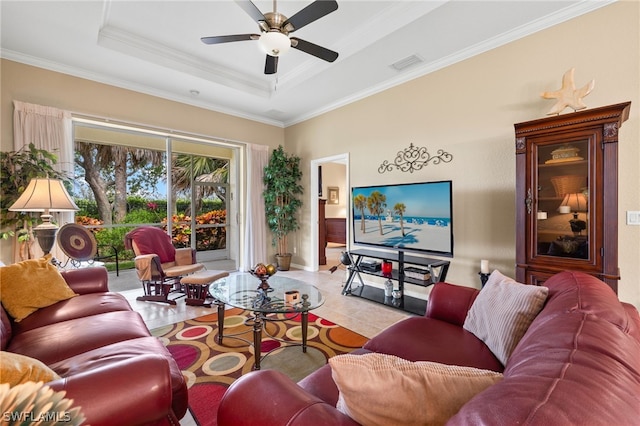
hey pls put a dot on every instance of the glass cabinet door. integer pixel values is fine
(567, 194)
(561, 219)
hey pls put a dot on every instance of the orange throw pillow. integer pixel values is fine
(30, 285)
(16, 369)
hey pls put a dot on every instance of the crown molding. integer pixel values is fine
(559, 17)
(139, 88)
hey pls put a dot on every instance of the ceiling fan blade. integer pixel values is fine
(314, 49)
(271, 65)
(313, 12)
(229, 38)
(251, 10)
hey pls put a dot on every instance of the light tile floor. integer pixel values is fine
(362, 316)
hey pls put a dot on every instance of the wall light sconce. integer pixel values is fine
(45, 195)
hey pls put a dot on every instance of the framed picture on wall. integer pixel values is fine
(333, 195)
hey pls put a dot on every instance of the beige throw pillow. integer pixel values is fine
(502, 313)
(16, 369)
(30, 285)
(378, 389)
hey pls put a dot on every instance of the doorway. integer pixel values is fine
(329, 172)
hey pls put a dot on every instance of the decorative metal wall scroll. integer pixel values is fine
(414, 158)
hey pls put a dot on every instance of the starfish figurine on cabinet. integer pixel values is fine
(568, 96)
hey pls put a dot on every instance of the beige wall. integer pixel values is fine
(469, 110)
(35, 85)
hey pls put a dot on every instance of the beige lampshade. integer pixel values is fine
(44, 195)
(574, 203)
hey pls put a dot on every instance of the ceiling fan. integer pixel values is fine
(275, 29)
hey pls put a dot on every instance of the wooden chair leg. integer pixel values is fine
(156, 292)
(197, 295)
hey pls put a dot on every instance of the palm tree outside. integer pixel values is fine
(109, 171)
(189, 168)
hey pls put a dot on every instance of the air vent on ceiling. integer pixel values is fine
(276, 113)
(406, 62)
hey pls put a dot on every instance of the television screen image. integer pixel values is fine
(413, 216)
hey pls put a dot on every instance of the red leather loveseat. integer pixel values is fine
(578, 363)
(109, 363)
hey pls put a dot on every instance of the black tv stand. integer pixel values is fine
(437, 268)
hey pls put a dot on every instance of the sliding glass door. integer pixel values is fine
(123, 179)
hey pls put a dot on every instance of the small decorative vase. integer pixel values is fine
(387, 267)
(388, 288)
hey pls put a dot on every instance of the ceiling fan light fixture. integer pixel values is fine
(274, 43)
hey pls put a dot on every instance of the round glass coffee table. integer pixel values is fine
(277, 295)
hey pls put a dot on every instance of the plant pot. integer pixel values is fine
(284, 261)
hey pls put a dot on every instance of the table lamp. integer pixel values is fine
(45, 195)
(574, 203)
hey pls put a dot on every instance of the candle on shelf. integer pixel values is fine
(484, 266)
(564, 209)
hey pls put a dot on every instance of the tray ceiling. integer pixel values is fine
(154, 47)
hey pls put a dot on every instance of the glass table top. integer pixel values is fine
(244, 291)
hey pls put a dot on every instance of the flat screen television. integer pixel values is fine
(413, 217)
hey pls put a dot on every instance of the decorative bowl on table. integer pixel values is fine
(263, 272)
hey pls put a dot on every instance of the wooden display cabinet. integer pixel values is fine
(567, 194)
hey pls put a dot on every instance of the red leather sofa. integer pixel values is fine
(109, 363)
(578, 363)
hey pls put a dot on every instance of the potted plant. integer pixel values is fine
(282, 187)
(17, 169)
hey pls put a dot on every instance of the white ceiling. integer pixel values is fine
(154, 47)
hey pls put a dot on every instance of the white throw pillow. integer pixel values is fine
(502, 313)
(379, 389)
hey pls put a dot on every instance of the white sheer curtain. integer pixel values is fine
(47, 128)
(255, 244)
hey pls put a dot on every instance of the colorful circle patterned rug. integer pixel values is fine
(210, 368)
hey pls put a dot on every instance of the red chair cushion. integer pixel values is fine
(152, 240)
